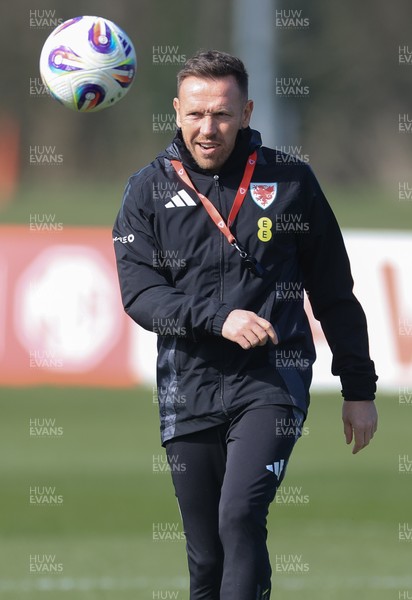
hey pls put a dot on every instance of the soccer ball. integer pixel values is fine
(88, 63)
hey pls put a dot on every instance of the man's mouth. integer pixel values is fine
(208, 146)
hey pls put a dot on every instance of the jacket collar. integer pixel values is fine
(247, 141)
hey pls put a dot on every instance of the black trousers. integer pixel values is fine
(225, 477)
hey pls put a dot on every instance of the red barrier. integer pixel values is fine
(61, 319)
(9, 158)
(62, 322)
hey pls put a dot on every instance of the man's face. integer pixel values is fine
(210, 113)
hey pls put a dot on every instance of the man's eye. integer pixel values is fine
(198, 115)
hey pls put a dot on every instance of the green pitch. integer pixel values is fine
(88, 510)
(357, 207)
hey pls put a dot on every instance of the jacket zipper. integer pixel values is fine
(218, 187)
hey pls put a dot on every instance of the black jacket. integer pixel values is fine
(181, 278)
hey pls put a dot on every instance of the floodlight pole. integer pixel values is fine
(255, 42)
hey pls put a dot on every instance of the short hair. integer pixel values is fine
(213, 64)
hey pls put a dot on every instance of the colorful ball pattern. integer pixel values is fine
(88, 63)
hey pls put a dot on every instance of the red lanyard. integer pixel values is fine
(213, 213)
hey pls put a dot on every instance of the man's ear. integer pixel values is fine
(176, 106)
(247, 113)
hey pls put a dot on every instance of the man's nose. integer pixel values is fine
(208, 126)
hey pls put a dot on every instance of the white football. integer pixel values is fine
(88, 63)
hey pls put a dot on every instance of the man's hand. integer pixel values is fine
(247, 329)
(360, 422)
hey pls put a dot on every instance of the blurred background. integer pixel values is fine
(87, 504)
(347, 123)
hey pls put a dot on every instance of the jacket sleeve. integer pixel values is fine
(148, 297)
(329, 284)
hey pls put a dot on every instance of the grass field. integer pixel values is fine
(97, 205)
(339, 516)
(338, 521)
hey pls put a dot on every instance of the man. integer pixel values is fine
(218, 268)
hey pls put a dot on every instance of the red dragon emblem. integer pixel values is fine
(263, 193)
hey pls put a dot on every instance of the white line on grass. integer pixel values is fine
(67, 584)
(361, 582)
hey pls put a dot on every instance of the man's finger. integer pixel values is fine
(245, 344)
(270, 332)
(252, 339)
(258, 333)
(272, 335)
(260, 336)
(362, 439)
(348, 431)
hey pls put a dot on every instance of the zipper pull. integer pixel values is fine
(216, 178)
